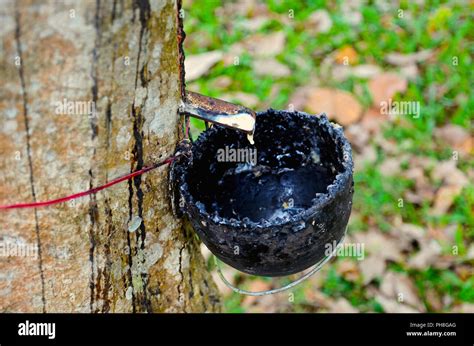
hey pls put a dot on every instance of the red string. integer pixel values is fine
(88, 192)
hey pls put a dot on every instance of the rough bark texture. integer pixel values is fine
(122, 56)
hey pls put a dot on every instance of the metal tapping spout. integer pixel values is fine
(219, 112)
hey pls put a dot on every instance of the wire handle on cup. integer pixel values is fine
(313, 270)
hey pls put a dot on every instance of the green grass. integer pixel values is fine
(445, 282)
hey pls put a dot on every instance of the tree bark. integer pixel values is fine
(123, 58)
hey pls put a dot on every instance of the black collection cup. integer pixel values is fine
(274, 208)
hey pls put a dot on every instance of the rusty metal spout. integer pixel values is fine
(219, 112)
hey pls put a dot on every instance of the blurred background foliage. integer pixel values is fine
(414, 194)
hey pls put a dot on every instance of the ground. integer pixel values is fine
(414, 193)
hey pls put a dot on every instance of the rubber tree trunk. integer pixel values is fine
(90, 91)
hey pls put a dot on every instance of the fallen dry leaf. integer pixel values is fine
(232, 56)
(470, 174)
(406, 234)
(436, 91)
(327, 304)
(199, 64)
(390, 167)
(388, 146)
(433, 299)
(448, 233)
(341, 305)
(366, 71)
(327, 67)
(399, 59)
(318, 22)
(424, 162)
(316, 297)
(411, 237)
(270, 303)
(244, 8)
(428, 254)
(410, 72)
(244, 99)
(420, 196)
(470, 252)
(372, 120)
(371, 267)
(357, 135)
(222, 82)
(379, 244)
(299, 98)
(367, 156)
(456, 137)
(259, 45)
(416, 174)
(384, 86)
(392, 306)
(379, 248)
(337, 104)
(338, 73)
(351, 12)
(348, 269)
(464, 271)
(424, 190)
(464, 308)
(346, 55)
(254, 24)
(399, 287)
(270, 67)
(255, 285)
(444, 199)
(342, 72)
(449, 174)
(447, 300)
